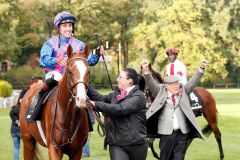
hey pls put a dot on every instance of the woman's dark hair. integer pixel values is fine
(132, 74)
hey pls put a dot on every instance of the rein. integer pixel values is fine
(70, 139)
(95, 113)
(97, 116)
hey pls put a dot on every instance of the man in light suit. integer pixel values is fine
(170, 116)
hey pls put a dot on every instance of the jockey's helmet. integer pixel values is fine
(63, 17)
(172, 51)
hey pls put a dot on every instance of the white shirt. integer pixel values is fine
(178, 69)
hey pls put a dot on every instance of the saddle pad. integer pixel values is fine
(195, 101)
(36, 106)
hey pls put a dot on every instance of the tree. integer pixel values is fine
(225, 31)
(180, 25)
(8, 45)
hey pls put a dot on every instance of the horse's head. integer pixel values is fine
(77, 74)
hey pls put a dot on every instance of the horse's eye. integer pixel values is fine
(70, 72)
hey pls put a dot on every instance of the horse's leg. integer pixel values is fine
(28, 148)
(214, 128)
(210, 114)
(76, 155)
(54, 154)
(217, 134)
(150, 144)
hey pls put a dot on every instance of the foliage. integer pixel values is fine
(145, 29)
(8, 39)
(30, 43)
(21, 76)
(5, 89)
(99, 75)
(180, 25)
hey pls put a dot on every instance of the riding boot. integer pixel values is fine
(34, 110)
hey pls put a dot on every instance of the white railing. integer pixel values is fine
(9, 101)
(226, 85)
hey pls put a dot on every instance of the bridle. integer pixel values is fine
(69, 85)
(71, 100)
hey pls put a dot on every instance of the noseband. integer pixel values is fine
(71, 87)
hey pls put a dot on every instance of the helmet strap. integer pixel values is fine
(72, 28)
(59, 40)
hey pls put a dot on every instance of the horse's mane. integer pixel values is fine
(155, 75)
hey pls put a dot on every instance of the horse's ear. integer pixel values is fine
(69, 50)
(86, 51)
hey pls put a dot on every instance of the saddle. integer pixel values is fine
(36, 106)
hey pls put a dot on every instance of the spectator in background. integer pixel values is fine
(176, 67)
(86, 147)
(15, 128)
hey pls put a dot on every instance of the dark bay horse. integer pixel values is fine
(209, 111)
(64, 119)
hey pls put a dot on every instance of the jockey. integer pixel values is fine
(176, 67)
(53, 56)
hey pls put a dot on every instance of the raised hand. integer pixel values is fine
(204, 63)
(145, 66)
(100, 50)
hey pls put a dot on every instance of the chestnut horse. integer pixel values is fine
(209, 111)
(64, 118)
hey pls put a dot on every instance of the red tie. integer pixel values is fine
(172, 69)
(173, 100)
(121, 95)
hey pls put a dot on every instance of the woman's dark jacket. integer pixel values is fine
(14, 114)
(125, 123)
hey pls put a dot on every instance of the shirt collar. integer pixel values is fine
(130, 88)
(169, 94)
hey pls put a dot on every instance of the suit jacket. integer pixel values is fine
(160, 92)
(166, 118)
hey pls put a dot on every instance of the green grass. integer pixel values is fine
(228, 117)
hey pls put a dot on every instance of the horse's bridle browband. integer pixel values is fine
(83, 58)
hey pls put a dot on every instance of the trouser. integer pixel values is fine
(174, 146)
(133, 152)
(16, 143)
